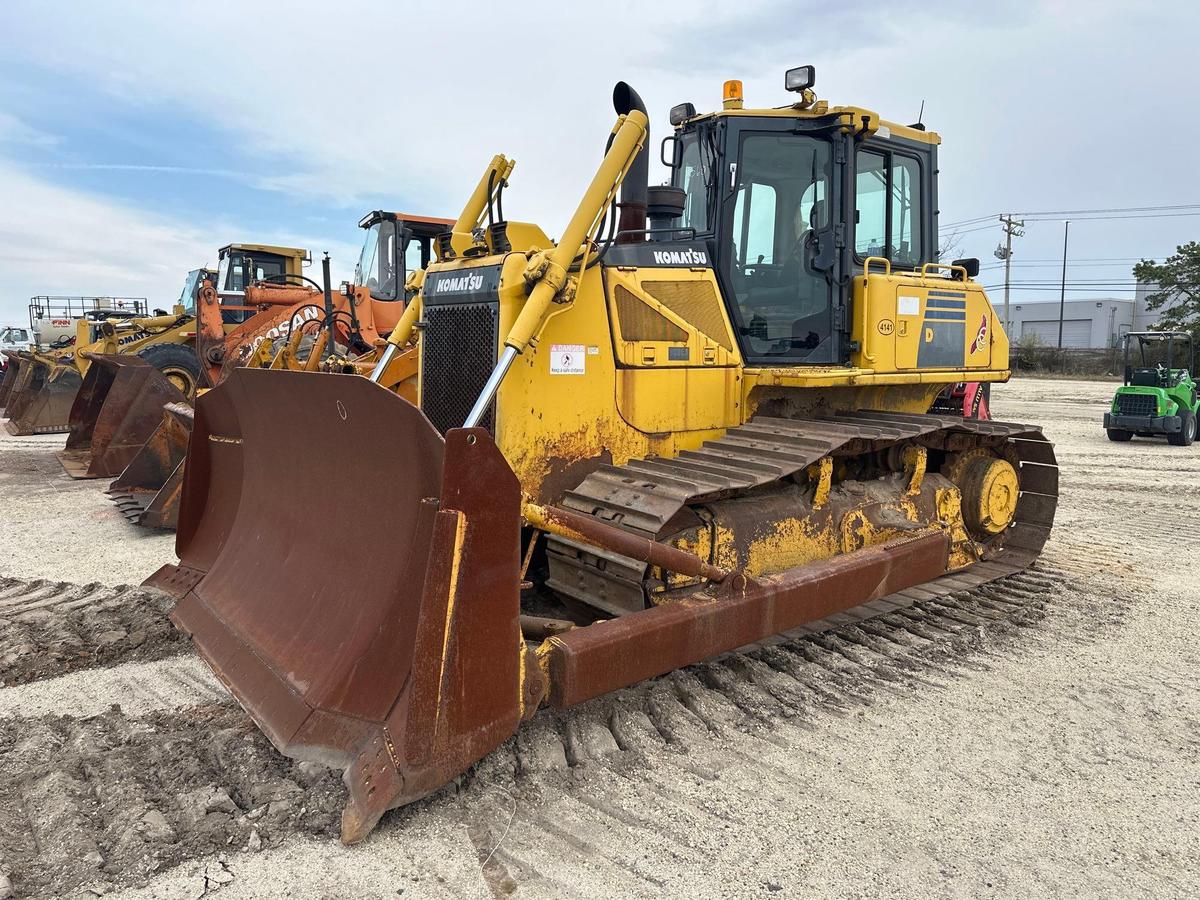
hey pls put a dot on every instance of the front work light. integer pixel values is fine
(681, 112)
(800, 78)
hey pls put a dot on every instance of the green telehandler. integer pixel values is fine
(1159, 395)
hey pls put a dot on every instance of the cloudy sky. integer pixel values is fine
(136, 138)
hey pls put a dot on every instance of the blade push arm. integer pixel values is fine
(551, 270)
(492, 181)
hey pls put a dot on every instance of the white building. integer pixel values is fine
(1085, 323)
(1143, 318)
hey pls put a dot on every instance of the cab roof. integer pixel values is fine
(856, 118)
(294, 252)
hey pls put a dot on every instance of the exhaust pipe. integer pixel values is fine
(634, 187)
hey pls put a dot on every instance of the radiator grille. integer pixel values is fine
(641, 323)
(695, 302)
(1136, 405)
(457, 356)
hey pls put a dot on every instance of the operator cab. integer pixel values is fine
(395, 245)
(191, 288)
(1162, 358)
(240, 265)
(791, 203)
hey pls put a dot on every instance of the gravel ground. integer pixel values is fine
(55, 527)
(1034, 737)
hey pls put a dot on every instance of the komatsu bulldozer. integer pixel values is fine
(695, 420)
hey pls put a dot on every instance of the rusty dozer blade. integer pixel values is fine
(41, 396)
(147, 492)
(391, 645)
(118, 407)
(385, 644)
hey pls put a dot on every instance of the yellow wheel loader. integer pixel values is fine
(45, 388)
(695, 420)
(128, 377)
(290, 320)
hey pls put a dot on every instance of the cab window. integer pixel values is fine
(696, 171)
(889, 212)
(783, 303)
(247, 269)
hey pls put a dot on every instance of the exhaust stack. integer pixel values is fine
(634, 187)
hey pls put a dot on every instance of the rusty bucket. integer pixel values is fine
(385, 642)
(11, 372)
(41, 396)
(147, 491)
(116, 410)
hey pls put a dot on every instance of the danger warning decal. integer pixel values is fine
(567, 359)
(980, 335)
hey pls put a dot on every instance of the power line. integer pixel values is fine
(1114, 212)
(1181, 215)
(1115, 209)
(1056, 288)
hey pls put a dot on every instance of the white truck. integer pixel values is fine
(15, 337)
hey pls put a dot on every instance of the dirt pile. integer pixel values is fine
(51, 628)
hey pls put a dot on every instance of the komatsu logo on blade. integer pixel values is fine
(681, 257)
(460, 284)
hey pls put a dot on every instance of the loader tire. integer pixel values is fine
(1119, 435)
(178, 362)
(1187, 430)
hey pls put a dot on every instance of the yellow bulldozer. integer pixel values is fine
(44, 385)
(697, 419)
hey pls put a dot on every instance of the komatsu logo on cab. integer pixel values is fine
(681, 257)
(461, 284)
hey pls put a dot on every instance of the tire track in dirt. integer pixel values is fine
(112, 799)
(51, 628)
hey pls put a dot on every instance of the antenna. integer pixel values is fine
(921, 114)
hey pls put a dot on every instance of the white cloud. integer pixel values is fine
(54, 240)
(1062, 104)
(20, 134)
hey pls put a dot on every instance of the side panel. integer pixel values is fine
(907, 323)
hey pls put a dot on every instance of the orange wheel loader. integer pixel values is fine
(288, 320)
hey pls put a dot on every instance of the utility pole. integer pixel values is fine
(1062, 296)
(1012, 229)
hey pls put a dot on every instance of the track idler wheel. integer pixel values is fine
(989, 494)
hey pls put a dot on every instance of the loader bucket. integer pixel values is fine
(118, 407)
(11, 371)
(386, 642)
(41, 398)
(147, 492)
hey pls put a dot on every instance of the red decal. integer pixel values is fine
(978, 342)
